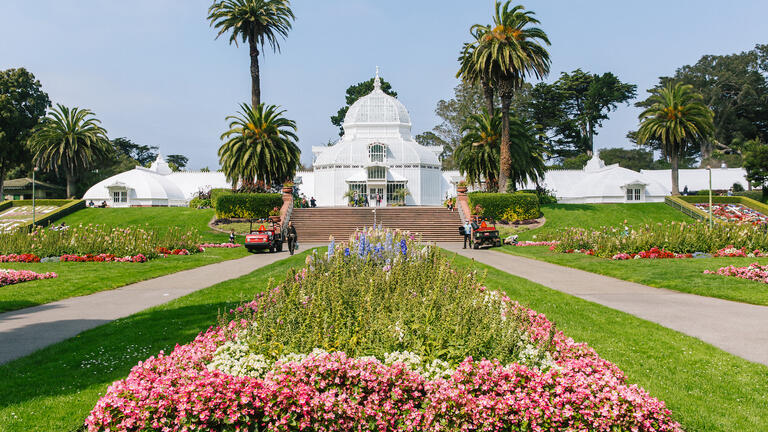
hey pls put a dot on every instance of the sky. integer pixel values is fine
(154, 72)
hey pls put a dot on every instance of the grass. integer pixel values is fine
(684, 275)
(76, 279)
(54, 389)
(706, 388)
(561, 216)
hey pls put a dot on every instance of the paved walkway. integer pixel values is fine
(25, 331)
(738, 328)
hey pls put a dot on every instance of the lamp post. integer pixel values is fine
(34, 170)
(709, 168)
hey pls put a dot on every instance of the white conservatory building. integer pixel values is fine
(376, 156)
(156, 186)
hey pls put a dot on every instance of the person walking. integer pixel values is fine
(467, 234)
(232, 236)
(290, 234)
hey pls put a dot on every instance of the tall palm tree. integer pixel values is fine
(478, 153)
(257, 22)
(260, 146)
(527, 153)
(507, 53)
(676, 118)
(470, 70)
(69, 141)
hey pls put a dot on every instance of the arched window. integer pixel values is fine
(376, 152)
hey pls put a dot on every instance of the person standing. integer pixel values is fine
(232, 236)
(290, 233)
(312, 202)
(467, 234)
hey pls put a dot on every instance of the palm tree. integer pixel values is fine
(470, 71)
(506, 54)
(69, 141)
(258, 22)
(676, 117)
(478, 153)
(527, 153)
(261, 146)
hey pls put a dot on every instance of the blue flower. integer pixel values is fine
(346, 252)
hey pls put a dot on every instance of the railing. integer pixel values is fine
(686, 208)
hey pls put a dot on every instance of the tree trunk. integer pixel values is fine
(675, 177)
(71, 185)
(2, 182)
(488, 94)
(255, 86)
(591, 135)
(505, 158)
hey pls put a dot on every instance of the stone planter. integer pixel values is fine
(288, 190)
(462, 189)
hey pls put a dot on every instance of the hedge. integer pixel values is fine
(246, 205)
(5, 205)
(496, 205)
(215, 193)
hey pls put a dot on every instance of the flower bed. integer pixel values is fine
(736, 213)
(102, 258)
(652, 253)
(535, 243)
(380, 333)
(679, 239)
(97, 239)
(220, 245)
(755, 272)
(9, 277)
(25, 258)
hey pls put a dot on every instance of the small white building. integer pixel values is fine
(156, 186)
(376, 156)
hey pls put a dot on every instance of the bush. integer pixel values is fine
(214, 194)
(200, 203)
(737, 187)
(246, 205)
(496, 205)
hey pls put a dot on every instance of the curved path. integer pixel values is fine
(738, 328)
(25, 331)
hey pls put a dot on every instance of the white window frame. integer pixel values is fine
(377, 152)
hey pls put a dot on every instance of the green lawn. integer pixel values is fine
(560, 216)
(706, 388)
(76, 279)
(684, 275)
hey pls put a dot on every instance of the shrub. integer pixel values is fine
(737, 187)
(199, 203)
(495, 205)
(214, 194)
(246, 205)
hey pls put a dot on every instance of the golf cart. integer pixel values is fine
(268, 235)
(484, 233)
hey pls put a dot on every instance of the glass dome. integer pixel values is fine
(377, 107)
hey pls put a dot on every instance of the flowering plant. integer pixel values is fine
(102, 258)
(220, 245)
(9, 277)
(26, 258)
(736, 213)
(382, 333)
(536, 243)
(755, 272)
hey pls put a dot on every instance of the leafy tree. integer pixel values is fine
(430, 139)
(756, 164)
(142, 154)
(22, 104)
(177, 161)
(355, 92)
(572, 108)
(634, 159)
(735, 87)
(471, 71)
(69, 141)
(257, 22)
(574, 162)
(507, 53)
(260, 146)
(676, 118)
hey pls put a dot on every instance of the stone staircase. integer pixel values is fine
(436, 224)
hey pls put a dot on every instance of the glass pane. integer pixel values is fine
(637, 194)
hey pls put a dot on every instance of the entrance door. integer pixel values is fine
(375, 194)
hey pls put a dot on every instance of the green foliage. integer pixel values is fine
(572, 108)
(674, 237)
(495, 205)
(355, 92)
(22, 104)
(216, 193)
(98, 239)
(69, 141)
(246, 205)
(260, 146)
(200, 203)
(142, 154)
(634, 159)
(177, 161)
(756, 164)
(576, 162)
(737, 187)
(419, 305)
